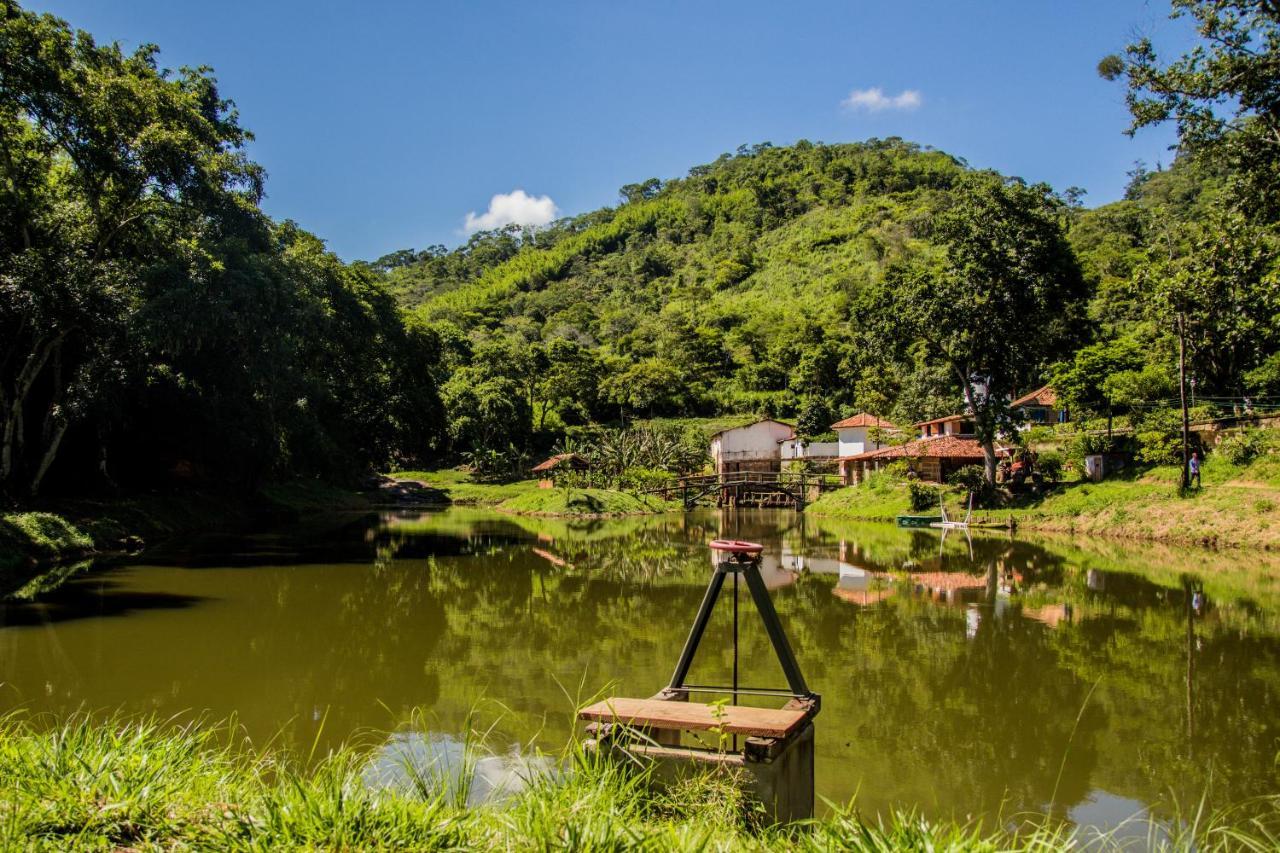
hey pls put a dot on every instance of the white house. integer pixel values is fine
(753, 447)
(855, 434)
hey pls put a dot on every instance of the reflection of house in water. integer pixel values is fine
(1050, 614)
(791, 561)
(859, 586)
(772, 569)
(950, 587)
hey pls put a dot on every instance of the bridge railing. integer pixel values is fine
(736, 478)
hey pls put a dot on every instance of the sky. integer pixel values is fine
(390, 125)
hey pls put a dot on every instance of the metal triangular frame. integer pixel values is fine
(747, 565)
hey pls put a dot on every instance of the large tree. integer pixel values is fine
(1223, 94)
(993, 295)
(102, 154)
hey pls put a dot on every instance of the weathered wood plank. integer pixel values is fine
(696, 716)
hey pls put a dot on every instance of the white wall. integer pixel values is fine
(756, 441)
(795, 448)
(854, 440)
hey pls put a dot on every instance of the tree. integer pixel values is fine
(992, 298)
(570, 386)
(1223, 94)
(815, 418)
(1084, 383)
(104, 157)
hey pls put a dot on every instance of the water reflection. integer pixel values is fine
(962, 677)
(433, 762)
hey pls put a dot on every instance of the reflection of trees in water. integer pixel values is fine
(916, 699)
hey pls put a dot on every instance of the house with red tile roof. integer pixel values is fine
(860, 433)
(932, 458)
(1041, 407)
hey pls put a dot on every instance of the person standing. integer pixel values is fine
(1193, 470)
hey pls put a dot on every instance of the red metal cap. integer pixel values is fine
(735, 546)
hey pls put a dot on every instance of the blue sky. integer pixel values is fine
(382, 125)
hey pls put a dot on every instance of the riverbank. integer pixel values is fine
(525, 497)
(71, 530)
(1238, 506)
(81, 785)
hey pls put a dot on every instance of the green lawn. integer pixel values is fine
(1237, 505)
(524, 496)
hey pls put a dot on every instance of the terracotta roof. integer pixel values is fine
(1044, 396)
(945, 419)
(861, 420)
(942, 446)
(569, 459)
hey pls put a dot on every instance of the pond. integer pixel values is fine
(963, 677)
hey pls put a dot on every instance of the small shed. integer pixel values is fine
(558, 464)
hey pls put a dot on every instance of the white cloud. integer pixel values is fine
(514, 208)
(875, 100)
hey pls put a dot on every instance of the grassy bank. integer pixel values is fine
(39, 537)
(526, 498)
(80, 785)
(1238, 505)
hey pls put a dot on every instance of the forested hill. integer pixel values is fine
(730, 290)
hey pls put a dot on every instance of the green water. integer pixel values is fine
(1087, 679)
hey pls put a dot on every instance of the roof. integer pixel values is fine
(945, 419)
(1043, 396)
(861, 420)
(567, 459)
(942, 446)
(754, 423)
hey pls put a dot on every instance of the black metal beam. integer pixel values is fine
(699, 628)
(773, 626)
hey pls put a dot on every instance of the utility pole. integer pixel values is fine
(1182, 393)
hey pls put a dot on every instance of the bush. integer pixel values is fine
(639, 479)
(1159, 437)
(973, 479)
(1243, 447)
(921, 496)
(1049, 464)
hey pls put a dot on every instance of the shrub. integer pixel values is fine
(1159, 437)
(1049, 464)
(921, 496)
(1243, 447)
(971, 478)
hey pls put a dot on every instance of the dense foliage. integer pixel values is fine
(153, 321)
(156, 324)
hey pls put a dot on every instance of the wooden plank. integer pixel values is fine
(696, 716)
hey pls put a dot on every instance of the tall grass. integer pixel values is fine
(86, 784)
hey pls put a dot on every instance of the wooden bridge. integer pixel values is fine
(747, 489)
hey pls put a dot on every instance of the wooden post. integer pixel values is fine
(1182, 393)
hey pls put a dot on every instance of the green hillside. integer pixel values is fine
(730, 290)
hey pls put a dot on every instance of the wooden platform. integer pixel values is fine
(696, 716)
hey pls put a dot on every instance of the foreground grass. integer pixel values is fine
(81, 785)
(526, 498)
(1238, 506)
